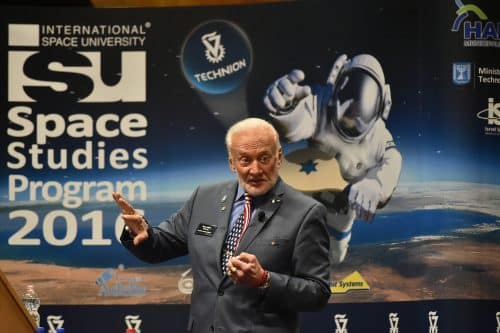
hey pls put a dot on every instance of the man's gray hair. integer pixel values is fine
(247, 124)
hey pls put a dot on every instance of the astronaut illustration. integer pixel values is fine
(345, 120)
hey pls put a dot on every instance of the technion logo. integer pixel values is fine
(133, 321)
(216, 57)
(54, 322)
(498, 321)
(478, 30)
(433, 322)
(492, 117)
(341, 323)
(393, 322)
(53, 61)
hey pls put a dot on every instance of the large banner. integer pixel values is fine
(138, 101)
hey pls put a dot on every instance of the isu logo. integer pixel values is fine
(35, 73)
(74, 76)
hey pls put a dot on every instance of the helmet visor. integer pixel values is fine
(357, 99)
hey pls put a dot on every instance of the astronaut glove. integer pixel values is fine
(284, 93)
(364, 197)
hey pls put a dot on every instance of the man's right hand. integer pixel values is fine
(284, 93)
(134, 222)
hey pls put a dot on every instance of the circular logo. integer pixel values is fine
(216, 57)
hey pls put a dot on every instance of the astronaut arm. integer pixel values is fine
(387, 174)
(375, 189)
(299, 123)
(292, 106)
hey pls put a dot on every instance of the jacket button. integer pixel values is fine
(220, 292)
(212, 328)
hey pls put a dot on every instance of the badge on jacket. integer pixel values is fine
(205, 230)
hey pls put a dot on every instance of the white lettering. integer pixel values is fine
(72, 193)
(222, 71)
(53, 125)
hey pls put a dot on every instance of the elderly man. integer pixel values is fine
(258, 248)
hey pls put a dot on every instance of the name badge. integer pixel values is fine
(205, 230)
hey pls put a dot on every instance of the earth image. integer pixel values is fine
(411, 251)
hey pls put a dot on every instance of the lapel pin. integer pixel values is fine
(275, 200)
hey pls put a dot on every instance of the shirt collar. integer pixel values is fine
(240, 194)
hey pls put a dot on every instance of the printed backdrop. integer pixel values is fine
(138, 101)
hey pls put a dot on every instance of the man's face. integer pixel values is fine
(255, 159)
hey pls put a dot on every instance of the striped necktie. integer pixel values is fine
(234, 237)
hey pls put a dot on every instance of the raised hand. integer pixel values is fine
(135, 223)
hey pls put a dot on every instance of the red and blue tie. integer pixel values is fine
(235, 235)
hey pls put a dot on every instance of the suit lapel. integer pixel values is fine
(261, 217)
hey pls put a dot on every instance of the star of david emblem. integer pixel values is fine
(308, 166)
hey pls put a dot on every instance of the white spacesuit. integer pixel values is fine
(345, 120)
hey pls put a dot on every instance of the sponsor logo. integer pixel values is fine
(478, 29)
(341, 323)
(492, 117)
(216, 57)
(353, 281)
(433, 322)
(43, 63)
(488, 75)
(394, 323)
(54, 322)
(461, 73)
(113, 286)
(133, 321)
(185, 283)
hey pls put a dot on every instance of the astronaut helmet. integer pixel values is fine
(359, 95)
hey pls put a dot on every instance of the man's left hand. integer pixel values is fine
(246, 269)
